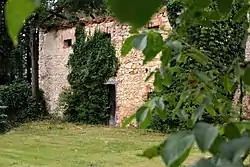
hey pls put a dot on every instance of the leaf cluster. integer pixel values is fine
(20, 105)
(201, 58)
(91, 65)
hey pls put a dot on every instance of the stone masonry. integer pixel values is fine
(130, 86)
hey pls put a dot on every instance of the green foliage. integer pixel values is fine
(4, 126)
(224, 6)
(6, 47)
(92, 64)
(209, 84)
(69, 11)
(208, 54)
(89, 106)
(210, 40)
(21, 107)
(51, 13)
(140, 11)
(14, 61)
(96, 59)
(175, 7)
(179, 150)
(168, 125)
(153, 151)
(246, 77)
(95, 7)
(15, 16)
(172, 123)
(205, 135)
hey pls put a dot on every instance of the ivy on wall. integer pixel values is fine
(223, 41)
(93, 62)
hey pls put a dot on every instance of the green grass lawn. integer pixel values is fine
(66, 145)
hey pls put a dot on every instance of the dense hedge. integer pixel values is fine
(21, 106)
(4, 123)
(91, 65)
(222, 41)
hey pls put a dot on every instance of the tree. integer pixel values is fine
(42, 16)
(34, 47)
(222, 40)
(93, 62)
(6, 47)
(13, 60)
(89, 7)
(231, 146)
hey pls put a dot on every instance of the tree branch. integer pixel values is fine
(57, 14)
(241, 99)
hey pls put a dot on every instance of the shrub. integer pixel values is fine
(91, 65)
(89, 106)
(21, 107)
(4, 124)
(222, 41)
(167, 126)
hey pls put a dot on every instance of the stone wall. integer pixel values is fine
(130, 86)
(246, 98)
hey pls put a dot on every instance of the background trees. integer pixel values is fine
(223, 40)
(6, 48)
(22, 62)
(209, 89)
(228, 143)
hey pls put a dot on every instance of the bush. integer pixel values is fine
(21, 107)
(4, 124)
(88, 107)
(222, 41)
(92, 64)
(167, 126)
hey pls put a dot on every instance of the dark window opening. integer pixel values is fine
(153, 26)
(67, 43)
(112, 104)
(149, 95)
(108, 35)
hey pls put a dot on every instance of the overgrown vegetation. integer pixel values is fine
(20, 56)
(4, 125)
(228, 143)
(92, 64)
(71, 12)
(211, 79)
(223, 41)
(20, 105)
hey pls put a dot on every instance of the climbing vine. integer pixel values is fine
(195, 58)
(229, 143)
(223, 41)
(91, 65)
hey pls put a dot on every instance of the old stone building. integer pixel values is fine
(131, 90)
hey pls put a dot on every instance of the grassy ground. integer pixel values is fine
(66, 145)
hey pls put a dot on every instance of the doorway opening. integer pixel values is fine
(112, 103)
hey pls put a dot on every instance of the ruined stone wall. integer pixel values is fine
(246, 99)
(52, 65)
(130, 86)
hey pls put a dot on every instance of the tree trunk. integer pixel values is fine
(34, 45)
(28, 65)
(20, 63)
